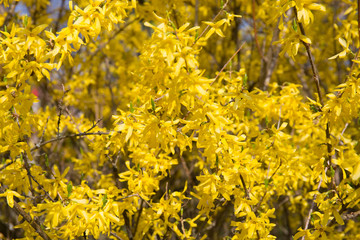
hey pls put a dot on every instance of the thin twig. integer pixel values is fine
(127, 225)
(358, 4)
(222, 69)
(27, 167)
(34, 223)
(31, 177)
(208, 26)
(68, 136)
(312, 61)
(327, 130)
(255, 31)
(6, 165)
(138, 217)
(43, 133)
(351, 215)
(272, 56)
(115, 235)
(244, 186)
(312, 205)
(196, 23)
(59, 15)
(182, 222)
(343, 131)
(187, 171)
(94, 125)
(61, 108)
(102, 45)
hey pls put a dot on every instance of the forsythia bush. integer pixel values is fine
(179, 119)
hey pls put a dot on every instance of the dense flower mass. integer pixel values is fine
(179, 119)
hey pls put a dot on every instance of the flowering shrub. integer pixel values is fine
(179, 119)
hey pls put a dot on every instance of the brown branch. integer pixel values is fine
(358, 4)
(244, 186)
(312, 205)
(255, 31)
(350, 215)
(60, 15)
(222, 69)
(11, 13)
(127, 225)
(358, 52)
(115, 235)
(102, 45)
(34, 223)
(312, 61)
(138, 217)
(268, 66)
(6, 165)
(94, 125)
(68, 136)
(196, 23)
(208, 26)
(186, 169)
(31, 177)
(43, 133)
(327, 130)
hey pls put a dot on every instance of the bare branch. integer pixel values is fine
(34, 223)
(69, 136)
(227, 63)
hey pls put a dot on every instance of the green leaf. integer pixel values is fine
(314, 108)
(173, 25)
(104, 200)
(332, 171)
(153, 105)
(312, 218)
(69, 189)
(5, 29)
(266, 181)
(26, 21)
(245, 79)
(46, 160)
(131, 107)
(294, 25)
